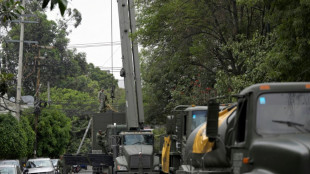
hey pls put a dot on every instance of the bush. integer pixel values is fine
(13, 140)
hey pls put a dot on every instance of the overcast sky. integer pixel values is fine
(95, 29)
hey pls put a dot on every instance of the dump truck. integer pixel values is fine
(267, 132)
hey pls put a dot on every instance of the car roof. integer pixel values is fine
(9, 160)
(39, 159)
(7, 165)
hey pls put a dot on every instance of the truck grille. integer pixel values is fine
(144, 161)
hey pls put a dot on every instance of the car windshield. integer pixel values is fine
(7, 170)
(132, 139)
(54, 161)
(199, 117)
(283, 113)
(39, 163)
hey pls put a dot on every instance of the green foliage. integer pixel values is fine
(194, 50)
(183, 54)
(9, 10)
(30, 136)
(158, 134)
(59, 63)
(81, 83)
(4, 78)
(251, 55)
(75, 83)
(105, 79)
(289, 57)
(62, 4)
(53, 132)
(13, 140)
(78, 106)
(120, 99)
(73, 102)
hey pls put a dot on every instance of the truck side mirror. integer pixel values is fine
(212, 120)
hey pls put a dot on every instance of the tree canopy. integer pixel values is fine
(13, 139)
(53, 131)
(74, 83)
(196, 49)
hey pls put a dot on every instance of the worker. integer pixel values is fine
(62, 167)
(102, 100)
(101, 139)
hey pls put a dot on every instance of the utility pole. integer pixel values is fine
(37, 106)
(20, 64)
(20, 58)
(48, 93)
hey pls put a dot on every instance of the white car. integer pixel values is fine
(9, 169)
(39, 165)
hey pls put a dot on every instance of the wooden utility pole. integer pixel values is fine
(37, 94)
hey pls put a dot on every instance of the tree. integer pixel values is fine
(78, 106)
(289, 58)
(9, 10)
(47, 33)
(30, 136)
(62, 4)
(13, 140)
(190, 42)
(105, 79)
(53, 134)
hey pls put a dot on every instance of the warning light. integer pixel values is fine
(246, 160)
(307, 86)
(264, 87)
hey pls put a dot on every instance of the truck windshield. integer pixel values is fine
(132, 139)
(283, 113)
(199, 117)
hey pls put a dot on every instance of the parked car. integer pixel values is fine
(11, 162)
(39, 165)
(9, 169)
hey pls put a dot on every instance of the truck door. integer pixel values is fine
(238, 150)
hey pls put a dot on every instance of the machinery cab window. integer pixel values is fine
(283, 113)
(133, 139)
(198, 117)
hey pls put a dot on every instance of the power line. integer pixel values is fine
(111, 56)
(95, 43)
(87, 45)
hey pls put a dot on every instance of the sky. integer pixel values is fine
(94, 30)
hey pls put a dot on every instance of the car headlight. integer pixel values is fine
(156, 168)
(119, 167)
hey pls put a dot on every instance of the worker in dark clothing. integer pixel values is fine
(101, 140)
(63, 168)
(102, 100)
